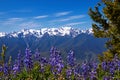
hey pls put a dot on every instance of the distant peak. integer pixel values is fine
(66, 27)
(61, 31)
(2, 34)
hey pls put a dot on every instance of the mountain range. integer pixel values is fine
(82, 42)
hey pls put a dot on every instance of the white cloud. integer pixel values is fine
(19, 23)
(11, 21)
(62, 13)
(75, 23)
(29, 24)
(40, 17)
(15, 19)
(72, 17)
(69, 18)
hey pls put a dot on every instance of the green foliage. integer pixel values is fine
(40, 73)
(107, 24)
(3, 54)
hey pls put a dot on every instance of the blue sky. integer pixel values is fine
(35, 14)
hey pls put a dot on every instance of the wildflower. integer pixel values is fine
(68, 73)
(28, 60)
(1, 68)
(70, 59)
(16, 69)
(43, 62)
(85, 70)
(104, 66)
(5, 69)
(37, 55)
(56, 61)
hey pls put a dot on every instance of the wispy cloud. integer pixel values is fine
(62, 13)
(40, 17)
(69, 18)
(29, 24)
(75, 23)
(20, 23)
(72, 18)
(15, 19)
(10, 21)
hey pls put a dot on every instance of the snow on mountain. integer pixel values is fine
(89, 31)
(2, 34)
(51, 31)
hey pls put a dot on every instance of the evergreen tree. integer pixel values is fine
(107, 25)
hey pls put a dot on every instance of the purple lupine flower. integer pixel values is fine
(18, 64)
(37, 55)
(92, 70)
(93, 75)
(20, 61)
(28, 59)
(43, 62)
(76, 70)
(85, 69)
(52, 57)
(16, 69)
(71, 63)
(104, 66)
(56, 61)
(42, 67)
(59, 67)
(116, 62)
(59, 61)
(94, 66)
(111, 64)
(1, 68)
(70, 59)
(118, 65)
(68, 73)
(5, 69)
(112, 70)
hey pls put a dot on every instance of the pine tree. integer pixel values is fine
(107, 25)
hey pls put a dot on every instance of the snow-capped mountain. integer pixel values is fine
(50, 31)
(81, 41)
(2, 34)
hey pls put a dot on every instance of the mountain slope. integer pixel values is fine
(83, 43)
